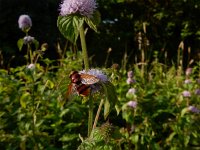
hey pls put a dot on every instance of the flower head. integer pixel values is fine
(97, 73)
(187, 81)
(28, 39)
(31, 66)
(186, 94)
(197, 92)
(188, 71)
(132, 104)
(130, 74)
(100, 75)
(115, 66)
(130, 80)
(24, 22)
(198, 81)
(82, 7)
(131, 91)
(193, 109)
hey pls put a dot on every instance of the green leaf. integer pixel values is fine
(36, 43)
(20, 43)
(94, 21)
(69, 26)
(23, 99)
(111, 99)
(184, 111)
(106, 108)
(68, 137)
(171, 136)
(72, 125)
(134, 138)
(186, 140)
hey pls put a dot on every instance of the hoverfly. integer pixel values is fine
(81, 84)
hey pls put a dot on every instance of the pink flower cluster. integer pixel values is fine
(130, 79)
(82, 7)
(24, 22)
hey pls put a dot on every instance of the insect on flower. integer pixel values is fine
(81, 83)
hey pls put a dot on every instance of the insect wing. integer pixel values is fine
(83, 90)
(89, 79)
(71, 91)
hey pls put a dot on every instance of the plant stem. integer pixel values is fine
(98, 113)
(34, 113)
(90, 117)
(84, 48)
(30, 54)
(86, 64)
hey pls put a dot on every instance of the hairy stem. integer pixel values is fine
(84, 48)
(98, 113)
(86, 64)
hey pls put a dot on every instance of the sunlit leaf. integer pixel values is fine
(134, 138)
(94, 21)
(20, 43)
(106, 108)
(72, 125)
(111, 98)
(24, 98)
(184, 111)
(68, 137)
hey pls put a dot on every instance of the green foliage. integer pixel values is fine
(111, 99)
(94, 21)
(70, 25)
(35, 115)
(20, 43)
(32, 114)
(100, 139)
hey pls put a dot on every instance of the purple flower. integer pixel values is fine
(97, 73)
(30, 66)
(198, 81)
(131, 91)
(186, 94)
(188, 71)
(130, 80)
(193, 109)
(82, 7)
(24, 22)
(197, 92)
(28, 39)
(130, 74)
(187, 81)
(132, 104)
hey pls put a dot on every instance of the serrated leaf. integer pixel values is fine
(20, 43)
(69, 26)
(94, 21)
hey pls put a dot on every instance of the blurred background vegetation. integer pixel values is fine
(162, 25)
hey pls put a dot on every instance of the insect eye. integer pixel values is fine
(73, 73)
